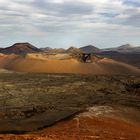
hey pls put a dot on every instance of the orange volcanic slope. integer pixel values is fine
(36, 63)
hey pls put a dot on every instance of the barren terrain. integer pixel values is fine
(69, 106)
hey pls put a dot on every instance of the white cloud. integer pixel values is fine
(51, 17)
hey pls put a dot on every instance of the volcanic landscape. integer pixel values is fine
(52, 95)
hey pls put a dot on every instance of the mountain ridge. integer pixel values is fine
(90, 49)
(126, 48)
(20, 48)
(25, 47)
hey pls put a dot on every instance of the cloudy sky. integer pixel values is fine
(64, 23)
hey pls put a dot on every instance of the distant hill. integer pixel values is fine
(127, 48)
(125, 53)
(89, 49)
(51, 50)
(20, 48)
(73, 50)
(46, 49)
(129, 58)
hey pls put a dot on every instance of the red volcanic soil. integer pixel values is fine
(93, 128)
(84, 128)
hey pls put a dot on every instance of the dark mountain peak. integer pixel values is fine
(24, 45)
(21, 43)
(20, 48)
(89, 49)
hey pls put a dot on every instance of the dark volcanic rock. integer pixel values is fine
(135, 88)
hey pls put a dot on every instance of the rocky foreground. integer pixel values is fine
(69, 107)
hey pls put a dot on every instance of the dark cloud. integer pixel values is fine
(109, 15)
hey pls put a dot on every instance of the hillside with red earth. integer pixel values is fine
(63, 63)
(97, 123)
